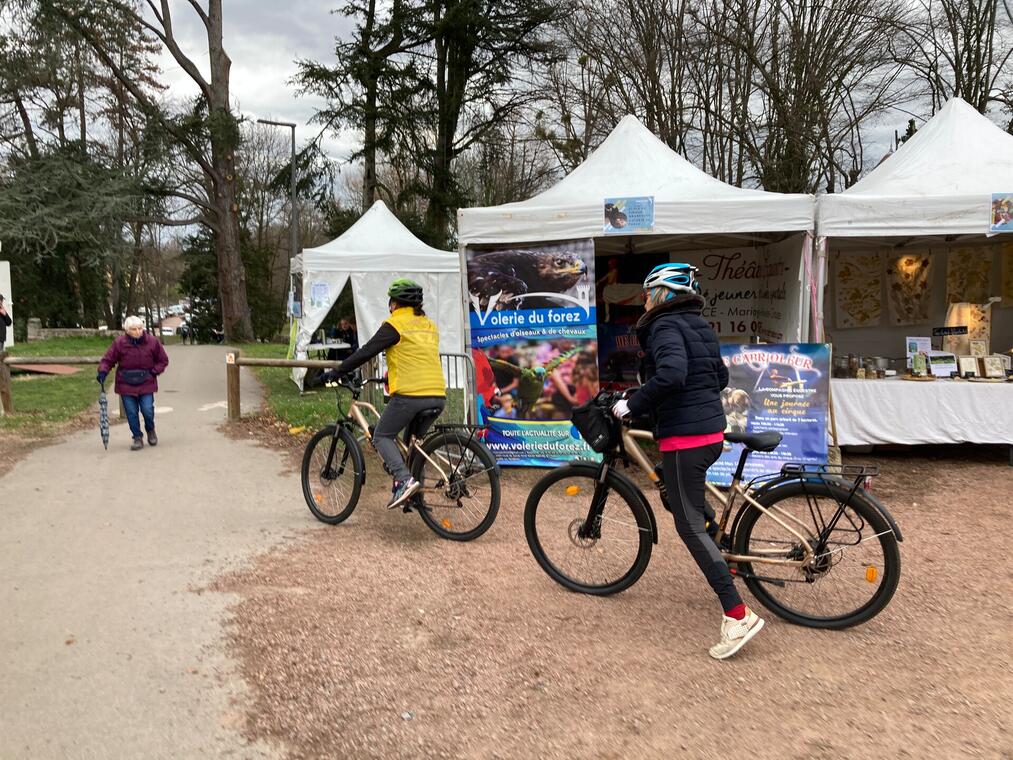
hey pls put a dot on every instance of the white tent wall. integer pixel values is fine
(442, 304)
(5, 290)
(756, 290)
(885, 339)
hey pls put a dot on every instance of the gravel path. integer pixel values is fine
(108, 646)
(375, 639)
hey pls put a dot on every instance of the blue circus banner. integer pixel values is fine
(777, 387)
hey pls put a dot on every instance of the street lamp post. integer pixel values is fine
(295, 208)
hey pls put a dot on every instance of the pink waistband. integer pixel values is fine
(680, 442)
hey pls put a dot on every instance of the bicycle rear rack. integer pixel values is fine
(854, 472)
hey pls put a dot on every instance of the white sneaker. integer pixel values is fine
(402, 492)
(735, 634)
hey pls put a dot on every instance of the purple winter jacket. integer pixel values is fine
(146, 353)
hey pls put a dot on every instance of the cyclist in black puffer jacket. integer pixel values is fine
(683, 375)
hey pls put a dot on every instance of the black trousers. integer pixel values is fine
(685, 474)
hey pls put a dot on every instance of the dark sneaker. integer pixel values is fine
(152, 438)
(137, 445)
(402, 491)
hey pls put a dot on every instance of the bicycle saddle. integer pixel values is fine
(767, 441)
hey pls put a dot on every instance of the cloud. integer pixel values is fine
(264, 38)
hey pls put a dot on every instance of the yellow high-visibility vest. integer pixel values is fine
(413, 363)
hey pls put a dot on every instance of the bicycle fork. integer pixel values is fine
(329, 472)
(592, 523)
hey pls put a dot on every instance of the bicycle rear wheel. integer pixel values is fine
(460, 492)
(332, 468)
(604, 558)
(850, 580)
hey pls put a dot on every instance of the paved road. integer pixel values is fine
(107, 650)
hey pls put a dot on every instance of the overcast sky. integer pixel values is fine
(264, 38)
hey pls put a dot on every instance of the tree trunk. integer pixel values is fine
(224, 139)
(369, 149)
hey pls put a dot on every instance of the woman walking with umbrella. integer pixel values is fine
(139, 359)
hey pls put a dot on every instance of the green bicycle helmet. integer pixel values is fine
(405, 291)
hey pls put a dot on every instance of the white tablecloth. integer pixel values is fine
(909, 412)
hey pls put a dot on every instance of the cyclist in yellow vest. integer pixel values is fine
(414, 372)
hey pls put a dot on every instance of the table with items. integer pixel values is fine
(941, 410)
(321, 349)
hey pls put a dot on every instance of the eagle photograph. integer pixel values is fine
(507, 277)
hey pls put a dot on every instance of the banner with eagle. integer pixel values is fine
(534, 341)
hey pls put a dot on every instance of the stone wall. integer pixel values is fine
(37, 332)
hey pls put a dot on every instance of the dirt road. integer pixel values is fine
(376, 640)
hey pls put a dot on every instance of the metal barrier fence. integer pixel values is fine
(458, 372)
(459, 376)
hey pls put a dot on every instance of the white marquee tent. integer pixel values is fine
(693, 212)
(632, 161)
(932, 196)
(937, 183)
(371, 253)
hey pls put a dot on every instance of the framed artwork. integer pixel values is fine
(979, 348)
(907, 277)
(968, 365)
(992, 367)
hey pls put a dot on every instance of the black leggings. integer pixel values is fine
(685, 476)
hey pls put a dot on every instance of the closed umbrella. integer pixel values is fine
(103, 416)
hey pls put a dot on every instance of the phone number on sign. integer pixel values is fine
(740, 327)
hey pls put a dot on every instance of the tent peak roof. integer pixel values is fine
(632, 161)
(957, 151)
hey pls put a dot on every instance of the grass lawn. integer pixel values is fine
(313, 409)
(45, 403)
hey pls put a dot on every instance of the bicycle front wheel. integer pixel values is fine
(460, 492)
(332, 468)
(602, 557)
(856, 567)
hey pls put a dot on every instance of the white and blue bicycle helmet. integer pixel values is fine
(679, 278)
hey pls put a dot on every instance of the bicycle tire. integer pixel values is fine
(767, 593)
(589, 474)
(440, 518)
(351, 475)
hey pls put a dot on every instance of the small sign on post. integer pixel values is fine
(232, 385)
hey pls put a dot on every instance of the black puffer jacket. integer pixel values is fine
(682, 371)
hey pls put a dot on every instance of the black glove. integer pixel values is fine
(101, 377)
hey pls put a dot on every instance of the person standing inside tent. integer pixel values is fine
(683, 376)
(412, 345)
(139, 359)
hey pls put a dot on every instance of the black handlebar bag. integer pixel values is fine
(596, 426)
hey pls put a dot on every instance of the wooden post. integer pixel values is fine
(232, 385)
(6, 400)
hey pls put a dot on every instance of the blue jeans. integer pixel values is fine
(146, 405)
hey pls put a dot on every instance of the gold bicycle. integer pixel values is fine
(810, 542)
(460, 493)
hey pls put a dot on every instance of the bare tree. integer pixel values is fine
(961, 48)
(208, 139)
